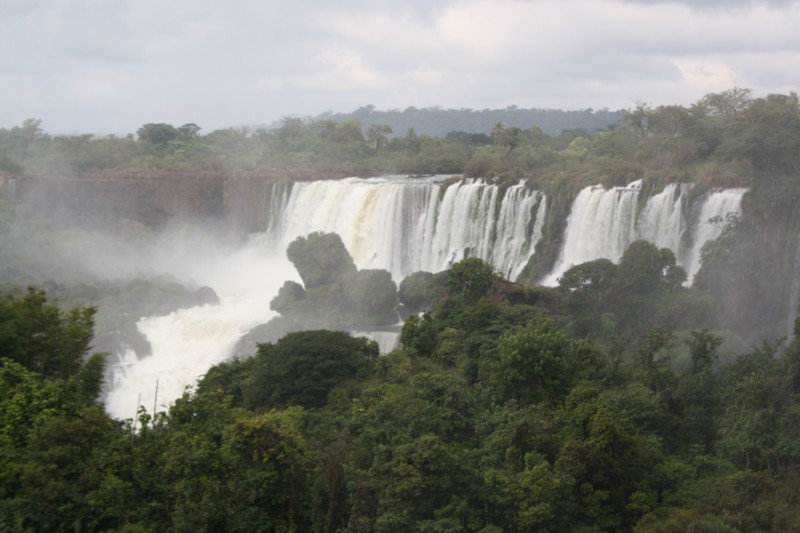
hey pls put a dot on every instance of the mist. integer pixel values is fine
(181, 291)
(172, 300)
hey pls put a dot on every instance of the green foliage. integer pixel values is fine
(419, 335)
(491, 418)
(507, 409)
(50, 341)
(471, 278)
(766, 133)
(587, 286)
(303, 367)
(532, 364)
(643, 291)
(158, 135)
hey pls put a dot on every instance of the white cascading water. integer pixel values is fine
(187, 342)
(601, 224)
(662, 220)
(794, 292)
(517, 232)
(387, 340)
(406, 225)
(714, 213)
(401, 225)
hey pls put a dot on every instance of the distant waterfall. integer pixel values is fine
(13, 194)
(404, 225)
(714, 213)
(517, 231)
(387, 340)
(662, 220)
(794, 291)
(603, 223)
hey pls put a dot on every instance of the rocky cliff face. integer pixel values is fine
(153, 199)
(106, 202)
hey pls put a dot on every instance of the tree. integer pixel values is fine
(52, 430)
(645, 277)
(157, 134)
(698, 393)
(50, 341)
(670, 120)
(378, 134)
(532, 364)
(422, 485)
(471, 278)
(189, 131)
(730, 103)
(303, 367)
(639, 119)
(587, 287)
(767, 133)
(612, 461)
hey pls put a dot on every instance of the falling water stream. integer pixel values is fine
(394, 223)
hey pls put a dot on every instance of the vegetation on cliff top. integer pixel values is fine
(725, 138)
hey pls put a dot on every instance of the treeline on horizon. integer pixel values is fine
(438, 122)
(724, 139)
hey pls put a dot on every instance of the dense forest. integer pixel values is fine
(498, 414)
(609, 402)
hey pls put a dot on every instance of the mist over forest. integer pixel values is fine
(418, 320)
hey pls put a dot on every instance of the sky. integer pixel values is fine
(109, 66)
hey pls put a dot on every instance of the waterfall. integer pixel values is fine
(394, 223)
(13, 194)
(662, 220)
(405, 225)
(601, 224)
(398, 224)
(717, 207)
(517, 231)
(387, 340)
(794, 292)
(187, 342)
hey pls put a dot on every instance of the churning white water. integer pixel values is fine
(399, 224)
(187, 342)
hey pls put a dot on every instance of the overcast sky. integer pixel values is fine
(109, 66)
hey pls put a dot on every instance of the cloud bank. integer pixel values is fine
(108, 67)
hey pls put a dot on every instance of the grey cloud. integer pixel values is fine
(109, 67)
(717, 5)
